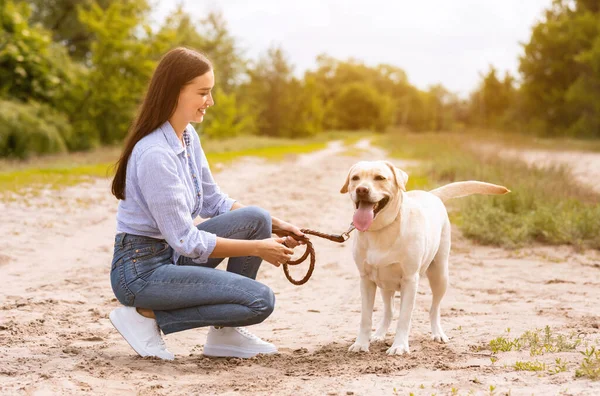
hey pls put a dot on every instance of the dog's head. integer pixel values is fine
(373, 185)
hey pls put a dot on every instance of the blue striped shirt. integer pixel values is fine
(168, 184)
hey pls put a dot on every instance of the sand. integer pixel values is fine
(55, 336)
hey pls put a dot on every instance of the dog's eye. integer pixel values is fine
(355, 177)
(379, 177)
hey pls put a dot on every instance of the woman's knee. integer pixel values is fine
(262, 220)
(264, 304)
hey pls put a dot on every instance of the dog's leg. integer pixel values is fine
(388, 306)
(437, 273)
(438, 280)
(367, 291)
(407, 304)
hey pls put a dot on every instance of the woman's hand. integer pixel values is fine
(285, 226)
(274, 251)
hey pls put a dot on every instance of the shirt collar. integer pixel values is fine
(171, 136)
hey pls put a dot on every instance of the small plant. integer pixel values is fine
(560, 367)
(503, 344)
(590, 366)
(493, 359)
(530, 366)
(548, 342)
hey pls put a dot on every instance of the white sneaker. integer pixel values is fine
(143, 334)
(235, 342)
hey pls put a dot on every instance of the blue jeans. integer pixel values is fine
(188, 295)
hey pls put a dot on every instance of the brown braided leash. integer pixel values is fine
(310, 250)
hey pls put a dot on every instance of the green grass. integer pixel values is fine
(58, 171)
(53, 177)
(273, 153)
(545, 205)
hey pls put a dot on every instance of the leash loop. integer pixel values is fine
(310, 250)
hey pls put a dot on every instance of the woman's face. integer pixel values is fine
(195, 97)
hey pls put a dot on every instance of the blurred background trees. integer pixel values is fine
(73, 72)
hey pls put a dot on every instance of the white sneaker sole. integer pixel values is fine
(232, 351)
(127, 334)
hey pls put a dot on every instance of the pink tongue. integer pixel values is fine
(363, 217)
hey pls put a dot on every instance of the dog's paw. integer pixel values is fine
(359, 347)
(398, 349)
(440, 337)
(377, 337)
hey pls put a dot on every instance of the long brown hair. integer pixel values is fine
(175, 69)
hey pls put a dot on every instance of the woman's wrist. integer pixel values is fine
(257, 248)
(275, 222)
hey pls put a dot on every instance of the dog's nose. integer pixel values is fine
(362, 191)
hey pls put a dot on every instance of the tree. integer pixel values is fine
(227, 118)
(214, 40)
(389, 83)
(32, 67)
(122, 58)
(492, 101)
(282, 105)
(359, 106)
(558, 70)
(440, 105)
(61, 18)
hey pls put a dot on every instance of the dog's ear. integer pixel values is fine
(399, 175)
(344, 189)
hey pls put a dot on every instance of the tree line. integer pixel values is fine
(72, 74)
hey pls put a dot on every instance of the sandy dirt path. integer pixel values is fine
(55, 336)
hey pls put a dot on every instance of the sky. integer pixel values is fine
(434, 41)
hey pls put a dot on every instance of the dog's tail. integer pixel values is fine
(466, 188)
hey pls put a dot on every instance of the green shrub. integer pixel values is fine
(32, 128)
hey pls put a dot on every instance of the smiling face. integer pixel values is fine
(195, 97)
(372, 185)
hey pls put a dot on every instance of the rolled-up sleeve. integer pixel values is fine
(215, 201)
(164, 194)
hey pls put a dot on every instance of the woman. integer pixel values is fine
(163, 267)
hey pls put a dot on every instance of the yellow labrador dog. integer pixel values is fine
(403, 235)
